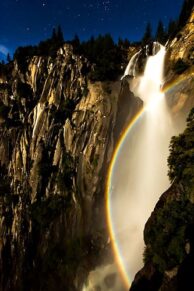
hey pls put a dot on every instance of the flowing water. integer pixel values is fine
(139, 173)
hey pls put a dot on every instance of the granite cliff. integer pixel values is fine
(56, 141)
(58, 129)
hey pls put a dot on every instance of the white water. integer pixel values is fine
(104, 278)
(130, 69)
(140, 172)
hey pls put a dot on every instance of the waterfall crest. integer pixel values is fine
(149, 50)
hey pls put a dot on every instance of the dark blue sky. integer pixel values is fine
(25, 22)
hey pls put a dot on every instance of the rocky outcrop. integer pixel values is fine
(169, 245)
(179, 71)
(181, 47)
(56, 141)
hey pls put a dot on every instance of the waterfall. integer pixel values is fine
(130, 70)
(151, 49)
(139, 176)
(139, 171)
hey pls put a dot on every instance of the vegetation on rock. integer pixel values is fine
(161, 34)
(181, 159)
(104, 54)
(147, 38)
(48, 47)
(166, 240)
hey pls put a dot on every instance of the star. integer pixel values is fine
(106, 5)
(119, 17)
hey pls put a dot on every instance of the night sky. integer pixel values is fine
(26, 22)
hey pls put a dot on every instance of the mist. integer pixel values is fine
(139, 175)
(140, 172)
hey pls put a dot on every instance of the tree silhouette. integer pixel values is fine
(185, 12)
(59, 34)
(160, 33)
(123, 43)
(147, 35)
(180, 161)
(171, 28)
(103, 53)
(76, 44)
(8, 58)
(54, 34)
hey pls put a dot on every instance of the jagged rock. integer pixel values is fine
(176, 49)
(56, 142)
(179, 68)
(152, 277)
(147, 279)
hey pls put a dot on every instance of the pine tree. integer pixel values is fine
(60, 37)
(76, 41)
(180, 161)
(54, 34)
(171, 28)
(123, 43)
(160, 33)
(185, 12)
(76, 44)
(147, 35)
(57, 35)
(8, 58)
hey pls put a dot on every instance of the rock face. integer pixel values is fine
(170, 268)
(179, 70)
(56, 141)
(181, 47)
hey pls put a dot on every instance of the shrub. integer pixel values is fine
(166, 236)
(104, 54)
(47, 47)
(181, 159)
